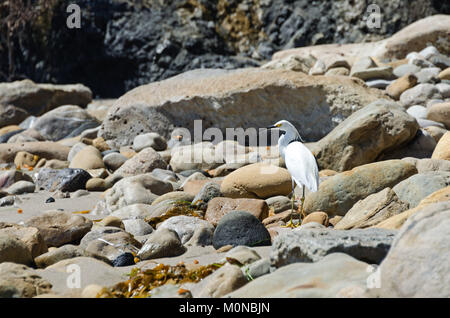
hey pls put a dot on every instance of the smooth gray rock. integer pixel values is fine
(114, 160)
(419, 186)
(151, 139)
(419, 94)
(209, 191)
(185, 226)
(54, 256)
(335, 275)
(404, 69)
(161, 243)
(306, 245)
(64, 122)
(21, 187)
(137, 227)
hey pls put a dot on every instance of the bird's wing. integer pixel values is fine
(302, 165)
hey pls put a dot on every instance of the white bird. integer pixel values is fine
(300, 162)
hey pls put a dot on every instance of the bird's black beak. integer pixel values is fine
(271, 127)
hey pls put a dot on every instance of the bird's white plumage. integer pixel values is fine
(302, 166)
(299, 160)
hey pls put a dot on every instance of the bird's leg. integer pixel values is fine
(291, 223)
(301, 202)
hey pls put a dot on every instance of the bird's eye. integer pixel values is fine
(278, 125)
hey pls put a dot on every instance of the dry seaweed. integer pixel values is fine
(140, 283)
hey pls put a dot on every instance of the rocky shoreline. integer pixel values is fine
(120, 198)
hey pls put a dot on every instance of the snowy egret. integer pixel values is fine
(299, 160)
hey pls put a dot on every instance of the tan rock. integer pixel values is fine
(174, 195)
(318, 217)
(327, 173)
(96, 184)
(338, 194)
(276, 219)
(218, 207)
(396, 221)
(111, 220)
(445, 74)
(372, 210)
(338, 71)
(223, 281)
(59, 228)
(100, 144)
(29, 235)
(440, 112)
(145, 161)
(56, 164)
(87, 158)
(43, 149)
(91, 291)
(442, 150)
(20, 281)
(335, 220)
(258, 180)
(24, 159)
(396, 88)
(436, 132)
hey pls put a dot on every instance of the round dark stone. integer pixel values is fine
(124, 259)
(50, 200)
(240, 228)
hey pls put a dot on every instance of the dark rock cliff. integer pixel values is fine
(125, 43)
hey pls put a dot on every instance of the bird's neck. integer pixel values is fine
(285, 139)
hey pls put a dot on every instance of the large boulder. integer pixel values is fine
(419, 262)
(313, 104)
(339, 193)
(40, 98)
(366, 134)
